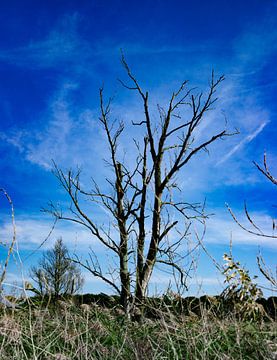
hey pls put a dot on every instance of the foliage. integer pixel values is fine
(241, 289)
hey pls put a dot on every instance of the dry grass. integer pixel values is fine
(90, 332)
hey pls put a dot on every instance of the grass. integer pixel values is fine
(66, 331)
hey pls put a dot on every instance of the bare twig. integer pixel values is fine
(257, 233)
(12, 244)
(266, 171)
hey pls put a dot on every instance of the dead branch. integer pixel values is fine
(257, 233)
(95, 269)
(266, 171)
(266, 271)
(13, 242)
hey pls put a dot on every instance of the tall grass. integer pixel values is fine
(167, 329)
(66, 331)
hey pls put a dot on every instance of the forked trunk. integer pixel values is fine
(145, 276)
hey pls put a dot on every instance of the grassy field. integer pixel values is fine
(90, 331)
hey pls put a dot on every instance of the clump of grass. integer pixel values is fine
(66, 331)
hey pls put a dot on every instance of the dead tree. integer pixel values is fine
(141, 203)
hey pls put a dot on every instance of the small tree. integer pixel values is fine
(56, 274)
(142, 203)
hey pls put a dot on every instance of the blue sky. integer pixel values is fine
(54, 56)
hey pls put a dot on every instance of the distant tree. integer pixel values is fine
(141, 204)
(56, 274)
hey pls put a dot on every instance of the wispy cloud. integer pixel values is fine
(258, 42)
(221, 228)
(62, 46)
(14, 138)
(63, 134)
(33, 230)
(243, 142)
(69, 135)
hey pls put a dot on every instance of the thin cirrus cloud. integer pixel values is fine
(60, 137)
(32, 232)
(221, 228)
(264, 34)
(247, 139)
(61, 46)
(69, 135)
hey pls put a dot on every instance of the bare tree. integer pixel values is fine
(141, 203)
(56, 274)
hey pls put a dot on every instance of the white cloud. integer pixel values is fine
(221, 228)
(32, 232)
(63, 135)
(243, 142)
(73, 140)
(14, 138)
(207, 281)
(61, 46)
(258, 42)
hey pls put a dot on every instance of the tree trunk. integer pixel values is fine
(124, 277)
(123, 249)
(152, 253)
